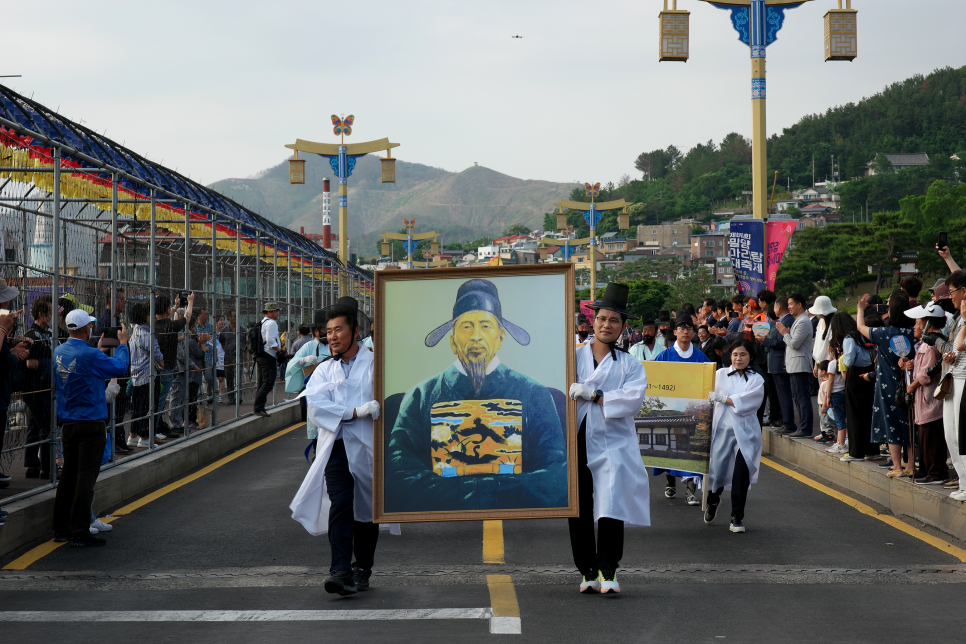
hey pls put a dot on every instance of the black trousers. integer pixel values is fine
(803, 400)
(38, 429)
(771, 395)
(740, 482)
(83, 450)
(193, 388)
(590, 554)
(783, 386)
(139, 410)
(932, 450)
(345, 533)
(267, 371)
(230, 378)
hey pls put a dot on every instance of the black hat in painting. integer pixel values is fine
(478, 295)
(615, 299)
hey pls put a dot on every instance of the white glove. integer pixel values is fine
(714, 396)
(307, 360)
(370, 408)
(113, 389)
(579, 390)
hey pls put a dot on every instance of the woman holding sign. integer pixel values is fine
(735, 433)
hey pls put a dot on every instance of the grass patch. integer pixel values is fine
(683, 464)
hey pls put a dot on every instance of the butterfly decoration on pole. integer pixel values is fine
(342, 127)
(593, 190)
(410, 224)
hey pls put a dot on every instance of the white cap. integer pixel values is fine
(78, 319)
(927, 310)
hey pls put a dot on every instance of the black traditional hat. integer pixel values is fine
(582, 319)
(615, 299)
(663, 317)
(344, 306)
(683, 319)
(478, 295)
(648, 321)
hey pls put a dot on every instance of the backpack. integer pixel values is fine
(255, 341)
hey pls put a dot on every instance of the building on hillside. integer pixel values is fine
(899, 162)
(723, 272)
(611, 244)
(817, 195)
(782, 205)
(487, 252)
(665, 234)
(705, 247)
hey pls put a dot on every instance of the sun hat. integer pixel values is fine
(270, 306)
(822, 306)
(7, 293)
(927, 310)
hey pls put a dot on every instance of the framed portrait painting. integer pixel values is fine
(472, 371)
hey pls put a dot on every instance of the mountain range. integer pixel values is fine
(461, 206)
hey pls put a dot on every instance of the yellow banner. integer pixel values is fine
(679, 379)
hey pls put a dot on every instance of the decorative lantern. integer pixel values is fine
(296, 169)
(543, 253)
(624, 220)
(385, 248)
(561, 220)
(673, 32)
(388, 169)
(434, 247)
(841, 33)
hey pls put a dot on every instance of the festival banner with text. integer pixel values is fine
(754, 268)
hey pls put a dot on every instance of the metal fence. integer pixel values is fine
(87, 223)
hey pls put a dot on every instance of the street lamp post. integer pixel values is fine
(757, 23)
(410, 240)
(592, 212)
(342, 157)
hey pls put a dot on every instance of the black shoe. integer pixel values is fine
(360, 578)
(670, 492)
(786, 432)
(32, 473)
(61, 537)
(710, 512)
(341, 583)
(800, 434)
(263, 413)
(122, 448)
(887, 464)
(736, 525)
(90, 541)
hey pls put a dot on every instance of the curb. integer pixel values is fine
(30, 518)
(929, 504)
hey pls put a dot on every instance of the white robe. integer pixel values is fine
(642, 352)
(613, 452)
(735, 428)
(328, 395)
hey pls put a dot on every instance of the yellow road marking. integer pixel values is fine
(503, 598)
(925, 537)
(493, 542)
(44, 549)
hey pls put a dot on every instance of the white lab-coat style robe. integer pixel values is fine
(735, 428)
(613, 452)
(328, 395)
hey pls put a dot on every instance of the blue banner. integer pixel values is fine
(747, 255)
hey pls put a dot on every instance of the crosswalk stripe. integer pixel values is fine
(242, 615)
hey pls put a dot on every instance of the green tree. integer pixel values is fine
(516, 229)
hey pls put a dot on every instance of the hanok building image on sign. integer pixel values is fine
(675, 433)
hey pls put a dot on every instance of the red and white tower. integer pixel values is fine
(326, 222)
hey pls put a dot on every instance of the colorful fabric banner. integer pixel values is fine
(674, 424)
(585, 310)
(747, 255)
(778, 234)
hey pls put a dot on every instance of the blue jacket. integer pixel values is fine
(671, 355)
(775, 344)
(81, 372)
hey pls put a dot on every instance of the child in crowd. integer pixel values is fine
(825, 424)
(835, 403)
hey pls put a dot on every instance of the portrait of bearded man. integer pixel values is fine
(478, 435)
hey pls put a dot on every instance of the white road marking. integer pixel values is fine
(250, 615)
(505, 626)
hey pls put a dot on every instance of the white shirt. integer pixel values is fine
(270, 336)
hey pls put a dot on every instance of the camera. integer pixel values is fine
(182, 299)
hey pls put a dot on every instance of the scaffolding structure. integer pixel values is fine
(85, 222)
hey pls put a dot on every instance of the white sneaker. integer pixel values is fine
(101, 526)
(144, 442)
(693, 500)
(592, 586)
(219, 399)
(836, 449)
(93, 529)
(161, 437)
(958, 495)
(609, 587)
(132, 440)
(848, 458)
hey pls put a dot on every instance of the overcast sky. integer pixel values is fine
(217, 88)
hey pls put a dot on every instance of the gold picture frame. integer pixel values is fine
(422, 300)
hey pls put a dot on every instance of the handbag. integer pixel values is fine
(903, 398)
(944, 387)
